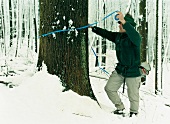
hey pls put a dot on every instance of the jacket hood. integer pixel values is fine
(129, 19)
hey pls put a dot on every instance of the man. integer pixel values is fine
(127, 42)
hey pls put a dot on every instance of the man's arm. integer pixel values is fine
(131, 32)
(104, 33)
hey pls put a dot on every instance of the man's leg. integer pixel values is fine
(133, 85)
(114, 83)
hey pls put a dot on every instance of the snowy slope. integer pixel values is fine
(38, 99)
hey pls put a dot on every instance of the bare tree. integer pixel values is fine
(158, 53)
(143, 30)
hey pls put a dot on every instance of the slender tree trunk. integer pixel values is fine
(17, 26)
(6, 24)
(156, 53)
(3, 45)
(1, 30)
(36, 18)
(142, 30)
(158, 58)
(11, 29)
(35, 27)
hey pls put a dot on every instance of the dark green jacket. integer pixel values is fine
(127, 49)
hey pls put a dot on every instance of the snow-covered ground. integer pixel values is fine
(37, 98)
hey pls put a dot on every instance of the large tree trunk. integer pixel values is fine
(66, 53)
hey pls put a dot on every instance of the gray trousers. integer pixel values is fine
(133, 84)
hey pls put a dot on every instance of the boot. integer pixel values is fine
(132, 113)
(118, 112)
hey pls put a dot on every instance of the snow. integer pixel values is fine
(37, 98)
(34, 97)
(64, 17)
(70, 22)
(58, 21)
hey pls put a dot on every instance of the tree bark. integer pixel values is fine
(66, 53)
(142, 30)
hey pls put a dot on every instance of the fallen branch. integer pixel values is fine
(167, 105)
(9, 84)
(6, 83)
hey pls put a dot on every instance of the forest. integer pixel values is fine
(55, 33)
(53, 68)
